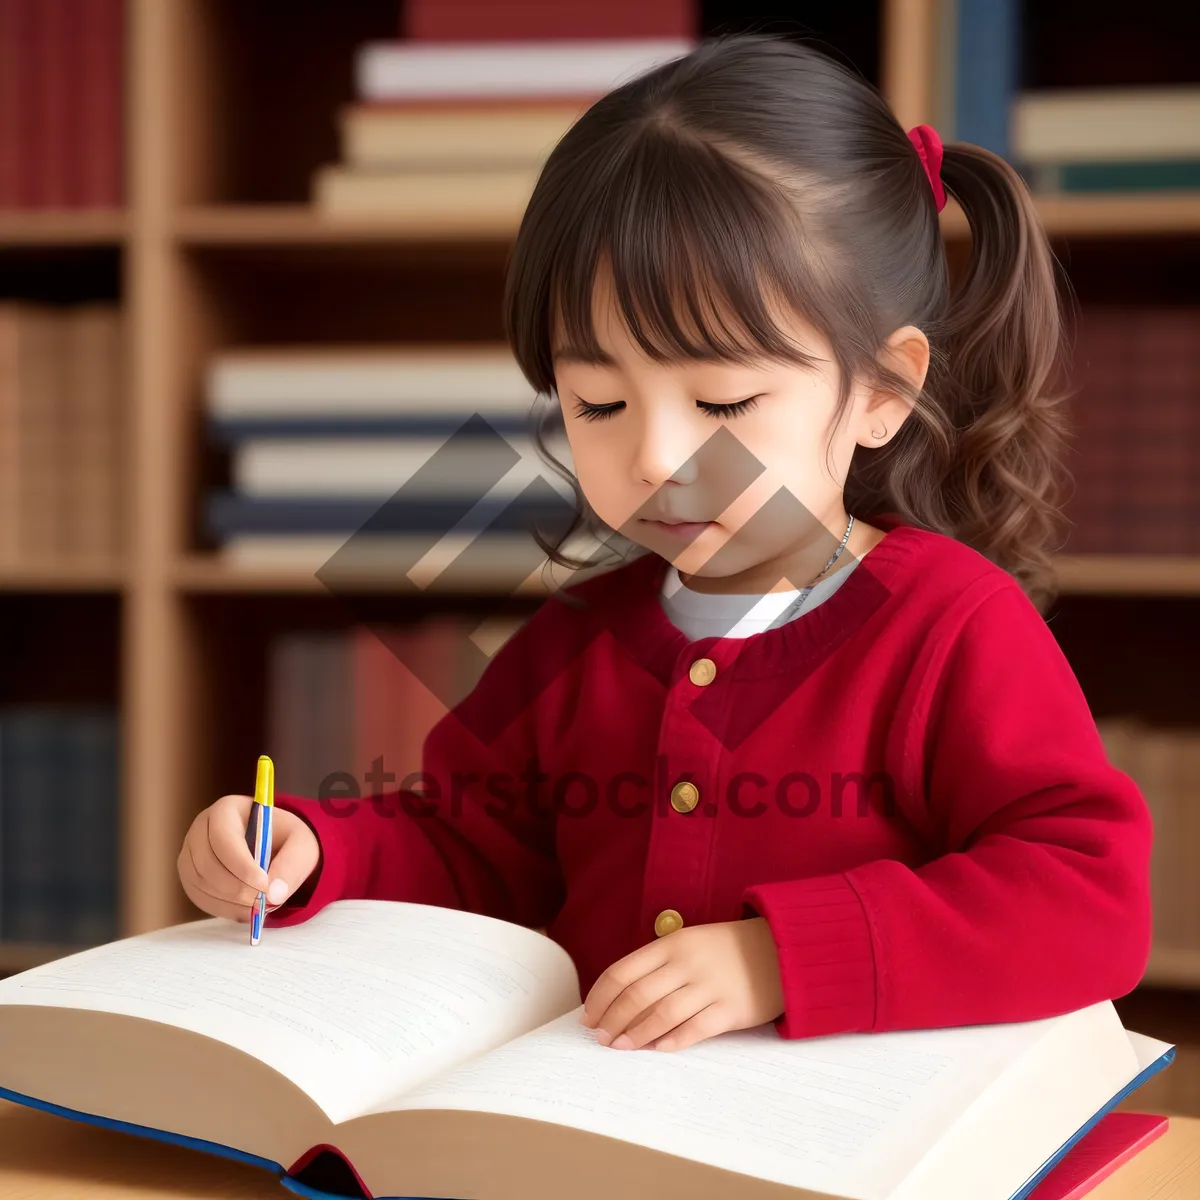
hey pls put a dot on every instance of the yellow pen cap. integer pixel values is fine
(264, 781)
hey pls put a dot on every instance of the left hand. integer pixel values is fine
(690, 985)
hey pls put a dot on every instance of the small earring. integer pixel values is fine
(879, 435)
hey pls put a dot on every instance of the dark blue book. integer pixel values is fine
(33, 824)
(986, 71)
(228, 514)
(227, 430)
(90, 767)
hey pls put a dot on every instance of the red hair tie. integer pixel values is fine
(929, 150)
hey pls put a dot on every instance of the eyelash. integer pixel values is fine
(719, 412)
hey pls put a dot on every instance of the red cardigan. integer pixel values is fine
(906, 782)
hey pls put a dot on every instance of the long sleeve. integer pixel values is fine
(1040, 902)
(477, 835)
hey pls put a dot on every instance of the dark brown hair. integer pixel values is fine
(756, 167)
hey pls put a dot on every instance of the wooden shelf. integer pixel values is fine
(1149, 215)
(20, 956)
(1129, 574)
(302, 225)
(1160, 214)
(65, 227)
(1174, 968)
(63, 577)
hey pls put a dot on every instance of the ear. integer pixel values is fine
(907, 353)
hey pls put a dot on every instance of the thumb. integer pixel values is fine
(292, 863)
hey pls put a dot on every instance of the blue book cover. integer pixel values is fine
(986, 71)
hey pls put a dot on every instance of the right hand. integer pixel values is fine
(218, 871)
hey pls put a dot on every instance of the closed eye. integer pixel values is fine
(601, 412)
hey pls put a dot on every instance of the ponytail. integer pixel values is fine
(1000, 345)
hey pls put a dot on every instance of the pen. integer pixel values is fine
(258, 835)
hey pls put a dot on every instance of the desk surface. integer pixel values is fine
(45, 1157)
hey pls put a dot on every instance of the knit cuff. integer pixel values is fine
(328, 878)
(826, 956)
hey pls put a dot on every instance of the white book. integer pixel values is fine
(406, 70)
(1105, 124)
(378, 467)
(405, 1034)
(294, 381)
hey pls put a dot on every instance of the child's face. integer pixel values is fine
(762, 490)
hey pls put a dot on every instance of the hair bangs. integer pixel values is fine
(696, 251)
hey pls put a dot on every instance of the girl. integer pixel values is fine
(814, 756)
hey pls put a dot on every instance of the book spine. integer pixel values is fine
(32, 824)
(10, 105)
(533, 20)
(40, 434)
(986, 71)
(11, 464)
(100, 102)
(27, 17)
(89, 863)
(55, 32)
(1157, 175)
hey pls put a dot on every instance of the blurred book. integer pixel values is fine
(496, 197)
(1105, 125)
(58, 824)
(1165, 764)
(491, 71)
(418, 461)
(349, 710)
(453, 125)
(1135, 449)
(61, 103)
(61, 434)
(1142, 139)
(455, 134)
(977, 60)
(549, 20)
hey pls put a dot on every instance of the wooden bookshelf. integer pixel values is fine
(218, 247)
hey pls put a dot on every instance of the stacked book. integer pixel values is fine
(59, 822)
(1063, 140)
(1135, 456)
(1165, 764)
(349, 710)
(61, 103)
(61, 431)
(418, 462)
(1109, 139)
(455, 120)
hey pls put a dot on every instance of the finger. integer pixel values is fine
(636, 999)
(207, 874)
(227, 821)
(295, 852)
(211, 904)
(705, 1024)
(660, 1018)
(618, 977)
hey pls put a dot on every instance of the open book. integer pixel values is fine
(440, 1053)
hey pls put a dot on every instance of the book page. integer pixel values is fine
(363, 1000)
(845, 1114)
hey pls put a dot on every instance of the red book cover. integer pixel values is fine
(10, 104)
(530, 20)
(26, 16)
(1114, 1140)
(99, 105)
(50, 123)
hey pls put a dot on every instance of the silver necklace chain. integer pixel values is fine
(791, 608)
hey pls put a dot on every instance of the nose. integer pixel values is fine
(666, 448)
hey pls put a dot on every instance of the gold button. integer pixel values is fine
(702, 672)
(685, 797)
(666, 922)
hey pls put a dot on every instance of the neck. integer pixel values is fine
(796, 567)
